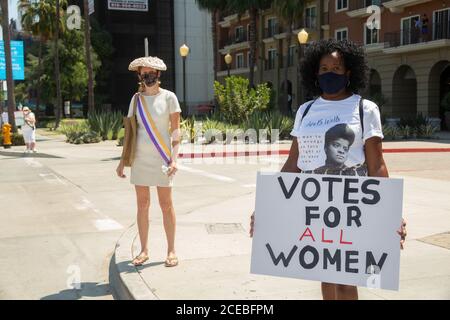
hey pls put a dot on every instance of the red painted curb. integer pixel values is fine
(286, 152)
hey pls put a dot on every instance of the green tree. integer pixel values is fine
(87, 38)
(253, 7)
(214, 7)
(9, 75)
(37, 20)
(289, 11)
(73, 70)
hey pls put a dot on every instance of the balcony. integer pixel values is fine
(358, 8)
(438, 36)
(325, 21)
(234, 42)
(398, 6)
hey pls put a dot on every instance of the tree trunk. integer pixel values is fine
(58, 102)
(38, 89)
(286, 69)
(9, 75)
(252, 39)
(87, 35)
(214, 40)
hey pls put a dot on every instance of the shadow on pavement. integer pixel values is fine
(17, 154)
(87, 289)
(111, 159)
(127, 267)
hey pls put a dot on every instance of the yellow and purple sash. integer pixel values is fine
(152, 131)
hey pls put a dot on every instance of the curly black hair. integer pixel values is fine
(341, 130)
(354, 60)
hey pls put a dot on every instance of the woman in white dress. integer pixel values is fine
(157, 110)
(29, 130)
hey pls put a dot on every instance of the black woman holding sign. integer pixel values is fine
(339, 132)
(150, 148)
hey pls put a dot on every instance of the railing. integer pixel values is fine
(414, 35)
(325, 18)
(234, 40)
(273, 30)
(360, 4)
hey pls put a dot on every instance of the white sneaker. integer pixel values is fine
(35, 151)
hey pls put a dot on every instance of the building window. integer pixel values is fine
(240, 61)
(341, 34)
(272, 55)
(441, 24)
(239, 34)
(310, 17)
(410, 30)
(272, 25)
(371, 35)
(341, 5)
(291, 54)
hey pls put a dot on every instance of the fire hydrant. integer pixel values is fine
(6, 130)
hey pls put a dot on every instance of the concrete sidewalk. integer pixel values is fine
(74, 187)
(214, 250)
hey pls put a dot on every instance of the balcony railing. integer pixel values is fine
(360, 4)
(325, 18)
(414, 35)
(273, 30)
(234, 40)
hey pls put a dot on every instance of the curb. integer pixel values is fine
(125, 279)
(198, 155)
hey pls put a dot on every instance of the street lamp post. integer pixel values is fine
(184, 52)
(228, 60)
(302, 39)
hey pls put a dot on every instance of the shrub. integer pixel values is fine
(391, 132)
(103, 123)
(78, 133)
(16, 139)
(237, 102)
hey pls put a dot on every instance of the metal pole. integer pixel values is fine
(184, 84)
(228, 69)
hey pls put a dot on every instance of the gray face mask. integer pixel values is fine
(150, 78)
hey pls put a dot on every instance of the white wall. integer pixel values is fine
(199, 63)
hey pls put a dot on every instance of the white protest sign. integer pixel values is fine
(19, 118)
(336, 229)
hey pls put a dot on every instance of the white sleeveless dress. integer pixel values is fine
(146, 169)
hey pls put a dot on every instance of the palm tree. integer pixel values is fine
(36, 19)
(289, 11)
(253, 7)
(58, 102)
(214, 7)
(87, 33)
(9, 75)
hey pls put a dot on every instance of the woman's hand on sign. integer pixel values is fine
(172, 168)
(252, 224)
(402, 233)
(119, 170)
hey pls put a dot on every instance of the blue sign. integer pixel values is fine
(18, 61)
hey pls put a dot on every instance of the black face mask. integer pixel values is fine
(149, 78)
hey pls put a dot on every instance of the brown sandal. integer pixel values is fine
(171, 261)
(140, 259)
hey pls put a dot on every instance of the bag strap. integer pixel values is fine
(361, 115)
(307, 110)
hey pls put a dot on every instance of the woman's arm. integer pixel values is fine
(377, 168)
(374, 158)
(175, 134)
(291, 163)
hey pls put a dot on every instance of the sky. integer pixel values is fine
(12, 14)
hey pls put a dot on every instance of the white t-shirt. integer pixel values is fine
(330, 138)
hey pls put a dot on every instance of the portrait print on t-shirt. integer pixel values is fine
(330, 136)
(337, 144)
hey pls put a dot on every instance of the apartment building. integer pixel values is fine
(273, 50)
(409, 55)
